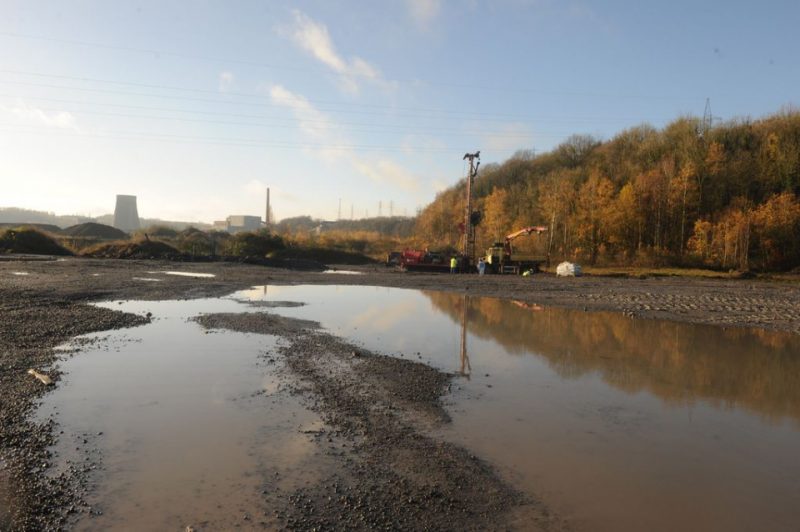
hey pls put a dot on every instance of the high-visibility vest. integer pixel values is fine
(453, 262)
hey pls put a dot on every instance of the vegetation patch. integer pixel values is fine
(253, 244)
(30, 240)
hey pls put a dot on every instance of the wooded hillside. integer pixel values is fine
(723, 197)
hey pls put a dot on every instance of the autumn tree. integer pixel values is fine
(594, 201)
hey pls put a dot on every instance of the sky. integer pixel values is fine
(352, 108)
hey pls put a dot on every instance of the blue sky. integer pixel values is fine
(196, 107)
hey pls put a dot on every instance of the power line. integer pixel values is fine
(250, 104)
(122, 135)
(338, 125)
(576, 120)
(417, 111)
(417, 82)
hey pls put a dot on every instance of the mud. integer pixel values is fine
(370, 402)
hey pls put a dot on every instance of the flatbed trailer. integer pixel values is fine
(423, 267)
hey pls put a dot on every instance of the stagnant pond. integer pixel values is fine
(614, 423)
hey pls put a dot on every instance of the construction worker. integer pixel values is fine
(453, 264)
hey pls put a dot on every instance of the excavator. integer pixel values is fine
(501, 257)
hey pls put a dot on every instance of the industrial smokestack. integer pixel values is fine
(126, 216)
(266, 215)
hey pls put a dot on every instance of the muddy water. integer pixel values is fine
(189, 428)
(617, 424)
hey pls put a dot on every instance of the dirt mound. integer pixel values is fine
(95, 230)
(145, 249)
(28, 240)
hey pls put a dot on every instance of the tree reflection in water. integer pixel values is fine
(679, 363)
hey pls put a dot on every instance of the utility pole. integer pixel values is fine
(380, 208)
(339, 216)
(391, 209)
(469, 231)
(351, 211)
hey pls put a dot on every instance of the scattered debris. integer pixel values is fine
(569, 269)
(41, 376)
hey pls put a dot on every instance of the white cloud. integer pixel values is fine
(37, 116)
(424, 11)
(225, 81)
(386, 171)
(333, 145)
(313, 37)
(312, 122)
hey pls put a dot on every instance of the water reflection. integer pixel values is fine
(190, 424)
(466, 368)
(680, 364)
(617, 424)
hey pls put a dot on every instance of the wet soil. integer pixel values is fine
(392, 473)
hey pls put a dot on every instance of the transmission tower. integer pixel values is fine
(391, 209)
(380, 209)
(708, 118)
(339, 216)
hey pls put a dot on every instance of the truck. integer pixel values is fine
(502, 258)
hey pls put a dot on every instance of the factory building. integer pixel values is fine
(238, 223)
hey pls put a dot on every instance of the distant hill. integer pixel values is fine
(42, 227)
(17, 216)
(394, 226)
(688, 194)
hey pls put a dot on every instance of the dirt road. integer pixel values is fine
(43, 303)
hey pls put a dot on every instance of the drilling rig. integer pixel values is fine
(471, 219)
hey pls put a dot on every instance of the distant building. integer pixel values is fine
(323, 226)
(239, 223)
(126, 216)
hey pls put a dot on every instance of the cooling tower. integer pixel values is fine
(126, 217)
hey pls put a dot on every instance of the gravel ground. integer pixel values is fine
(44, 303)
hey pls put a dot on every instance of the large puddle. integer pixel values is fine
(190, 427)
(616, 424)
